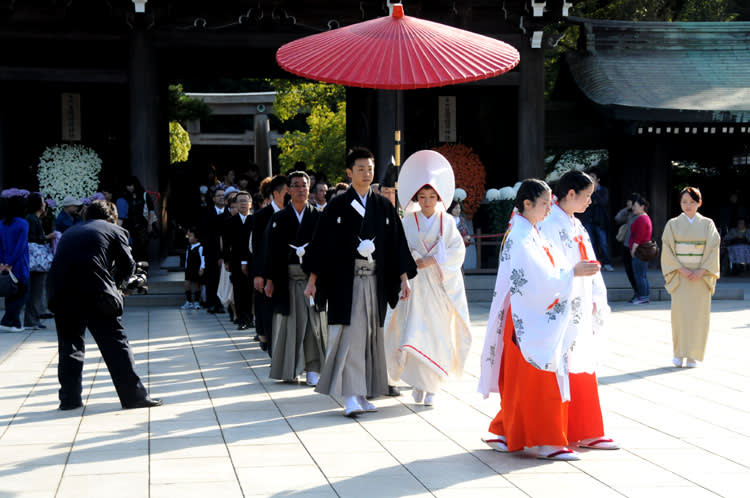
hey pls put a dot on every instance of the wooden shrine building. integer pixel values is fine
(116, 58)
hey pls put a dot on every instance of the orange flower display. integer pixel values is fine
(469, 172)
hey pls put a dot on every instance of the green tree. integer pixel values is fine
(321, 140)
(179, 143)
(181, 109)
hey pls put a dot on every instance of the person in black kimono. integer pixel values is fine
(299, 326)
(238, 259)
(263, 310)
(359, 260)
(210, 235)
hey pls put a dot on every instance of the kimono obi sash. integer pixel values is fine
(362, 268)
(690, 252)
(295, 272)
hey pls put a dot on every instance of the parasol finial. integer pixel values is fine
(397, 10)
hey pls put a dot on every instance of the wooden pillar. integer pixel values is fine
(659, 190)
(263, 144)
(144, 112)
(2, 145)
(386, 118)
(531, 113)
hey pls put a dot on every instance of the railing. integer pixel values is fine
(488, 250)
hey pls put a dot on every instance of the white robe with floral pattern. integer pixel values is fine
(589, 298)
(539, 294)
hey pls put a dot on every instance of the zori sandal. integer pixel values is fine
(560, 453)
(598, 444)
(495, 442)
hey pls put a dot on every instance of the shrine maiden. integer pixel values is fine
(528, 340)
(589, 309)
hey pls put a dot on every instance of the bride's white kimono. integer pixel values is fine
(428, 335)
(589, 296)
(539, 293)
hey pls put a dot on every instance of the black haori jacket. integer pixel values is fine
(237, 243)
(334, 249)
(282, 230)
(260, 223)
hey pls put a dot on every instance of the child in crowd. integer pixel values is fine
(195, 266)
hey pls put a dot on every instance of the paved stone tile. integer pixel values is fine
(228, 430)
(131, 485)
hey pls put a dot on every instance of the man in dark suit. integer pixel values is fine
(210, 232)
(263, 306)
(92, 263)
(238, 259)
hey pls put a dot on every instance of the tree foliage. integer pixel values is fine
(180, 110)
(321, 141)
(179, 143)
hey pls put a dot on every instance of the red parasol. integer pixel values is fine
(397, 52)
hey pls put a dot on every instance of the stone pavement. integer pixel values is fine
(226, 430)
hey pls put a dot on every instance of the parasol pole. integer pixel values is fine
(399, 98)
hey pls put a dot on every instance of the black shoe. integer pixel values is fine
(47, 316)
(144, 403)
(211, 310)
(256, 338)
(243, 326)
(263, 346)
(70, 406)
(393, 391)
(219, 310)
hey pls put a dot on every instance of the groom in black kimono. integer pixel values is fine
(360, 261)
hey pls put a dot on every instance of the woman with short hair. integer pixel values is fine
(690, 264)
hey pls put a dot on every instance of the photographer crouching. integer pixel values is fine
(91, 265)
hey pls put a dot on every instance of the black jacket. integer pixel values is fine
(334, 249)
(260, 222)
(210, 231)
(237, 242)
(92, 261)
(284, 229)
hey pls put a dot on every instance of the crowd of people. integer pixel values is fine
(359, 287)
(30, 232)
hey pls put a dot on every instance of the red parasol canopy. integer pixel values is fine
(397, 52)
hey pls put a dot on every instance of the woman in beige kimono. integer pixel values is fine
(690, 264)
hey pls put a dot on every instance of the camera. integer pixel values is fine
(138, 282)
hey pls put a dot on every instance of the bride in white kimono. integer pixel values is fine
(428, 336)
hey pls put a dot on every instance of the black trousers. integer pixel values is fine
(211, 278)
(264, 317)
(627, 259)
(109, 335)
(242, 295)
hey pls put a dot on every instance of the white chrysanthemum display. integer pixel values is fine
(68, 170)
(459, 195)
(492, 194)
(506, 194)
(575, 160)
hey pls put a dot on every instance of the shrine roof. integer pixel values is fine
(659, 71)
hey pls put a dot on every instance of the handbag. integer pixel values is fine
(8, 284)
(621, 232)
(40, 257)
(648, 251)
